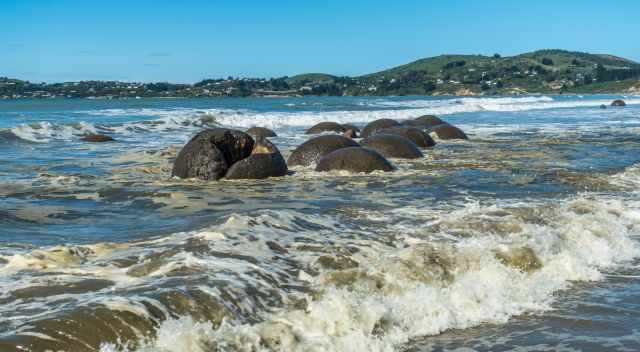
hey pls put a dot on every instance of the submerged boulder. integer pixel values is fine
(619, 103)
(265, 161)
(603, 106)
(209, 154)
(393, 146)
(378, 125)
(257, 132)
(326, 127)
(416, 135)
(447, 131)
(425, 121)
(311, 151)
(97, 138)
(354, 159)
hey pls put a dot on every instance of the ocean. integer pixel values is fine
(525, 237)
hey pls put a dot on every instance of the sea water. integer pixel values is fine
(523, 238)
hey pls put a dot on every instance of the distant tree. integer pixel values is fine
(496, 56)
(547, 61)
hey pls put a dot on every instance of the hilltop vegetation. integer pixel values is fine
(543, 71)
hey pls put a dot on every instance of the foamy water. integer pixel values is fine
(530, 228)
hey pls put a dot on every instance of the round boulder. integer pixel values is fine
(326, 127)
(209, 154)
(425, 121)
(311, 151)
(603, 106)
(354, 159)
(416, 135)
(265, 161)
(377, 125)
(393, 146)
(97, 138)
(257, 132)
(618, 103)
(447, 131)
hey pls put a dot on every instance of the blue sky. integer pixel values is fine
(187, 40)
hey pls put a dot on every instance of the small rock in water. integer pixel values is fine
(619, 103)
(354, 159)
(603, 106)
(97, 138)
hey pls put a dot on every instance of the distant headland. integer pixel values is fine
(539, 72)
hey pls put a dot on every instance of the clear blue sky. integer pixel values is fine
(187, 40)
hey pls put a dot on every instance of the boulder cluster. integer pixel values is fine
(219, 153)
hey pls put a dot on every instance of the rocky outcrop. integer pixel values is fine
(393, 146)
(377, 125)
(210, 154)
(310, 152)
(257, 132)
(354, 159)
(416, 135)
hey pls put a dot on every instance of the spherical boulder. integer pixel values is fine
(425, 121)
(354, 159)
(619, 103)
(311, 151)
(265, 161)
(209, 154)
(377, 125)
(602, 106)
(257, 132)
(97, 138)
(414, 134)
(447, 131)
(393, 146)
(326, 127)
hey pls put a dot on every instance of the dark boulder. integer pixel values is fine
(311, 151)
(447, 131)
(377, 125)
(257, 132)
(603, 106)
(619, 103)
(414, 134)
(326, 127)
(210, 153)
(425, 121)
(354, 159)
(265, 161)
(393, 146)
(97, 138)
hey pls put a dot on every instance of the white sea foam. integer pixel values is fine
(47, 131)
(425, 287)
